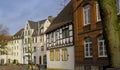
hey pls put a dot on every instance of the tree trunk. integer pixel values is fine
(111, 30)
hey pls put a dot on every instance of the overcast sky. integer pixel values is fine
(15, 13)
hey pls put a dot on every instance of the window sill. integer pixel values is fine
(102, 56)
(98, 20)
(88, 56)
(86, 24)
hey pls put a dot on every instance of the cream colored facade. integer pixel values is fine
(36, 32)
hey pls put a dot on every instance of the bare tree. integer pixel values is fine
(3, 30)
(62, 3)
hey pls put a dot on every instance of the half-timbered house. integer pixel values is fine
(60, 45)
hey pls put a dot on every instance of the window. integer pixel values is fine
(65, 33)
(27, 26)
(26, 50)
(87, 15)
(29, 40)
(98, 13)
(2, 61)
(33, 39)
(88, 47)
(64, 54)
(34, 59)
(118, 6)
(36, 40)
(57, 55)
(28, 32)
(51, 55)
(41, 39)
(101, 47)
(25, 40)
(17, 53)
(34, 49)
(42, 48)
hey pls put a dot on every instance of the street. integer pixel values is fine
(16, 67)
(12, 67)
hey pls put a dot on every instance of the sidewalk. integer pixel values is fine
(34, 68)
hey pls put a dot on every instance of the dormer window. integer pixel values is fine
(27, 26)
(118, 6)
(86, 14)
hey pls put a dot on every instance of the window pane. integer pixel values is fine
(86, 14)
(101, 46)
(118, 5)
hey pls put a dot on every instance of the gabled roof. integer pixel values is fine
(4, 39)
(33, 25)
(36, 26)
(19, 34)
(64, 17)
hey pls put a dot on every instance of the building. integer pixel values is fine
(90, 51)
(4, 49)
(17, 47)
(60, 44)
(34, 42)
(42, 50)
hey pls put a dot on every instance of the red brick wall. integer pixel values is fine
(80, 30)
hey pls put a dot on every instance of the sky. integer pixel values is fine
(15, 13)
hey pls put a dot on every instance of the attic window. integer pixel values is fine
(27, 26)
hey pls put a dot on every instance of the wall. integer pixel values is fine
(62, 64)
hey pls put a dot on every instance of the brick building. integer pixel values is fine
(90, 51)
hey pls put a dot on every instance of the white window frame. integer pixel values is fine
(98, 12)
(118, 6)
(88, 43)
(104, 50)
(87, 15)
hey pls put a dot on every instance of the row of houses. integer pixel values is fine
(30, 39)
(72, 40)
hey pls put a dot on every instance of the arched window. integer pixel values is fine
(88, 47)
(101, 47)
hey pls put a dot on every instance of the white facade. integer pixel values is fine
(14, 52)
(42, 49)
(69, 64)
(60, 48)
(17, 51)
(34, 32)
(6, 54)
(32, 36)
(26, 43)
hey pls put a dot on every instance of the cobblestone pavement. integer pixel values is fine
(11, 68)
(15, 67)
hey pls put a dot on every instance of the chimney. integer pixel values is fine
(49, 18)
